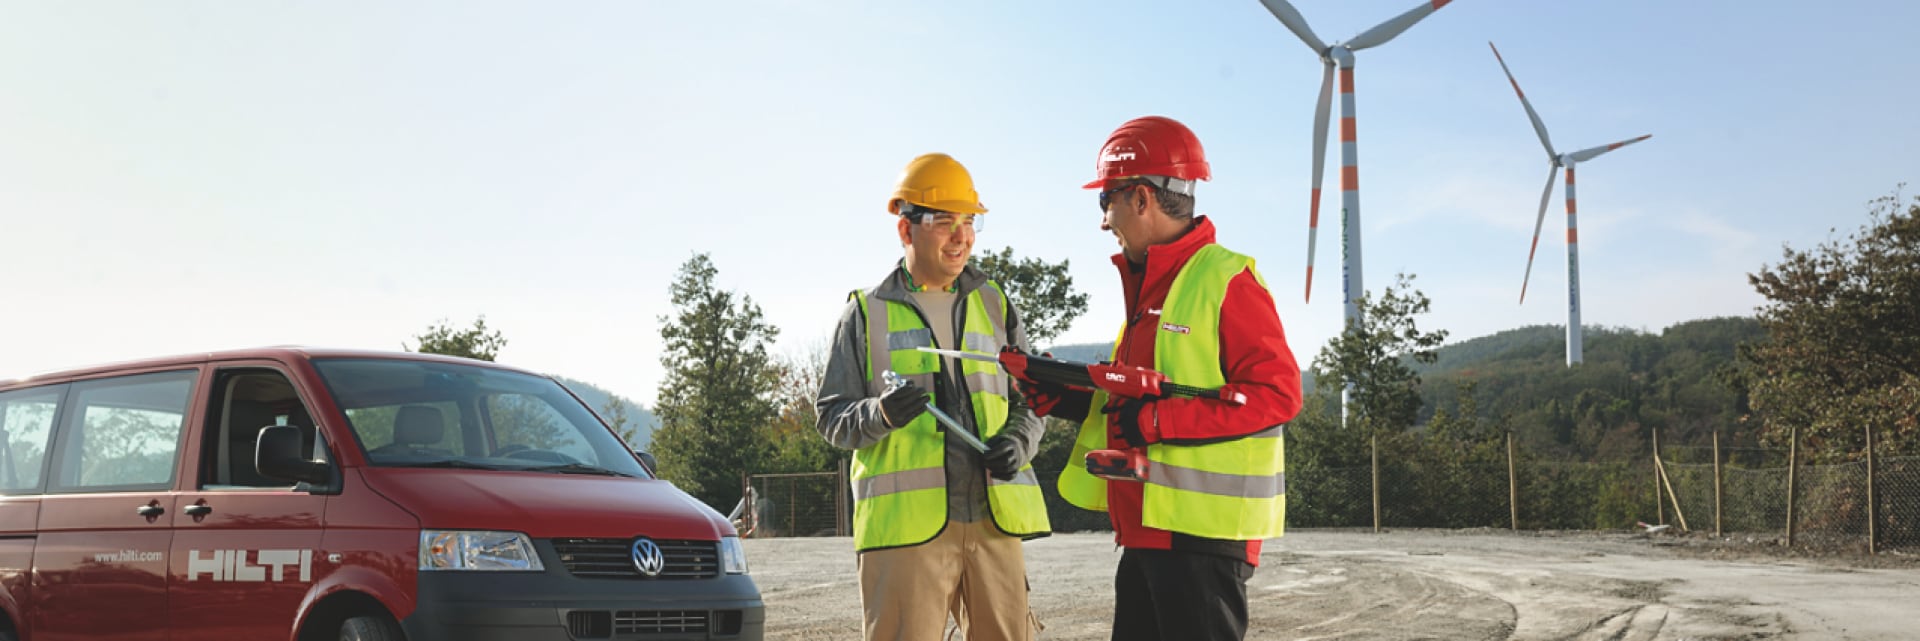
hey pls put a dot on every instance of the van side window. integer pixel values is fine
(26, 423)
(244, 401)
(123, 433)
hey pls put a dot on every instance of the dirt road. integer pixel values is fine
(1433, 585)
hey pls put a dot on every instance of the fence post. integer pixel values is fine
(1376, 482)
(1513, 486)
(1873, 509)
(1716, 483)
(842, 521)
(1659, 504)
(1793, 468)
(747, 517)
(1661, 468)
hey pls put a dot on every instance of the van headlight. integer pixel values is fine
(477, 550)
(733, 558)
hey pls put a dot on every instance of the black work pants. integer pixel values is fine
(1169, 595)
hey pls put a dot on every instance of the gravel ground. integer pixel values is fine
(1439, 584)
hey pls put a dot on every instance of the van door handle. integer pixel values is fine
(198, 509)
(150, 511)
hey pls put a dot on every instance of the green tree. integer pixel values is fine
(796, 443)
(720, 392)
(615, 414)
(1464, 423)
(478, 342)
(1374, 356)
(1041, 292)
(1328, 461)
(1843, 348)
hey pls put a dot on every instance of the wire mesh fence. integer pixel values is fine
(1898, 493)
(807, 504)
(1831, 500)
(1339, 497)
(1753, 500)
(1583, 495)
(1746, 493)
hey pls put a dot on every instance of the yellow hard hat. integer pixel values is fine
(936, 181)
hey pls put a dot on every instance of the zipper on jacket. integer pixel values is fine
(939, 380)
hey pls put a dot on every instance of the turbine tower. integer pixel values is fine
(1556, 161)
(1340, 54)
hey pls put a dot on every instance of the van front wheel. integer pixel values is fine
(370, 628)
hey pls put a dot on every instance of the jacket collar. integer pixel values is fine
(1166, 259)
(894, 287)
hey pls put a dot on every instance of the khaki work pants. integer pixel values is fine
(971, 570)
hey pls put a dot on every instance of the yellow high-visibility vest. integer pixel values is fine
(900, 483)
(1228, 490)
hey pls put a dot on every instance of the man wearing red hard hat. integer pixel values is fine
(1200, 314)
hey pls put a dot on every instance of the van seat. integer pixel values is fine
(418, 426)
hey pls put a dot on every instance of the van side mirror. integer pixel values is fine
(277, 456)
(646, 459)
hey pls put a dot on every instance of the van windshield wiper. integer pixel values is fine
(578, 468)
(447, 462)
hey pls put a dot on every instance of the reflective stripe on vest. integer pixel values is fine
(899, 483)
(1229, 490)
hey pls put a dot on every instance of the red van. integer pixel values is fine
(315, 495)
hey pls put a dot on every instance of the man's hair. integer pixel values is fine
(1177, 206)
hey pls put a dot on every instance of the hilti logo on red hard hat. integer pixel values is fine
(1117, 156)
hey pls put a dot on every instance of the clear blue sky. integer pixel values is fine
(187, 176)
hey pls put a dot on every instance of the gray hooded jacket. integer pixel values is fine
(849, 418)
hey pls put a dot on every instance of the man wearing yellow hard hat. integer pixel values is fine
(937, 523)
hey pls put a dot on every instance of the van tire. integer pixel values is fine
(370, 628)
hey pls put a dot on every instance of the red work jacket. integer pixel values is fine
(1253, 355)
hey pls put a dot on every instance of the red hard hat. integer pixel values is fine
(1151, 146)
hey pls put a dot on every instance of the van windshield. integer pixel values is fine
(410, 413)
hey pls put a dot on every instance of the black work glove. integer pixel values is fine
(1003, 457)
(1127, 415)
(902, 404)
(1048, 399)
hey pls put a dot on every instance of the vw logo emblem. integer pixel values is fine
(647, 557)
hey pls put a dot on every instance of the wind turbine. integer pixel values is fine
(1556, 161)
(1340, 54)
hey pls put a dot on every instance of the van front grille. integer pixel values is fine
(613, 558)
(659, 621)
(601, 624)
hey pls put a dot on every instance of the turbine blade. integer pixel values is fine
(1385, 31)
(1538, 219)
(1588, 154)
(1291, 18)
(1538, 127)
(1320, 114)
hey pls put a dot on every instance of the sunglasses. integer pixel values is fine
(1106, 197)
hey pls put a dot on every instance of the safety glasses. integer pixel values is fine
(1106, 197)
(936, 220)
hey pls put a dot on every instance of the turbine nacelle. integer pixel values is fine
(1338, 54)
